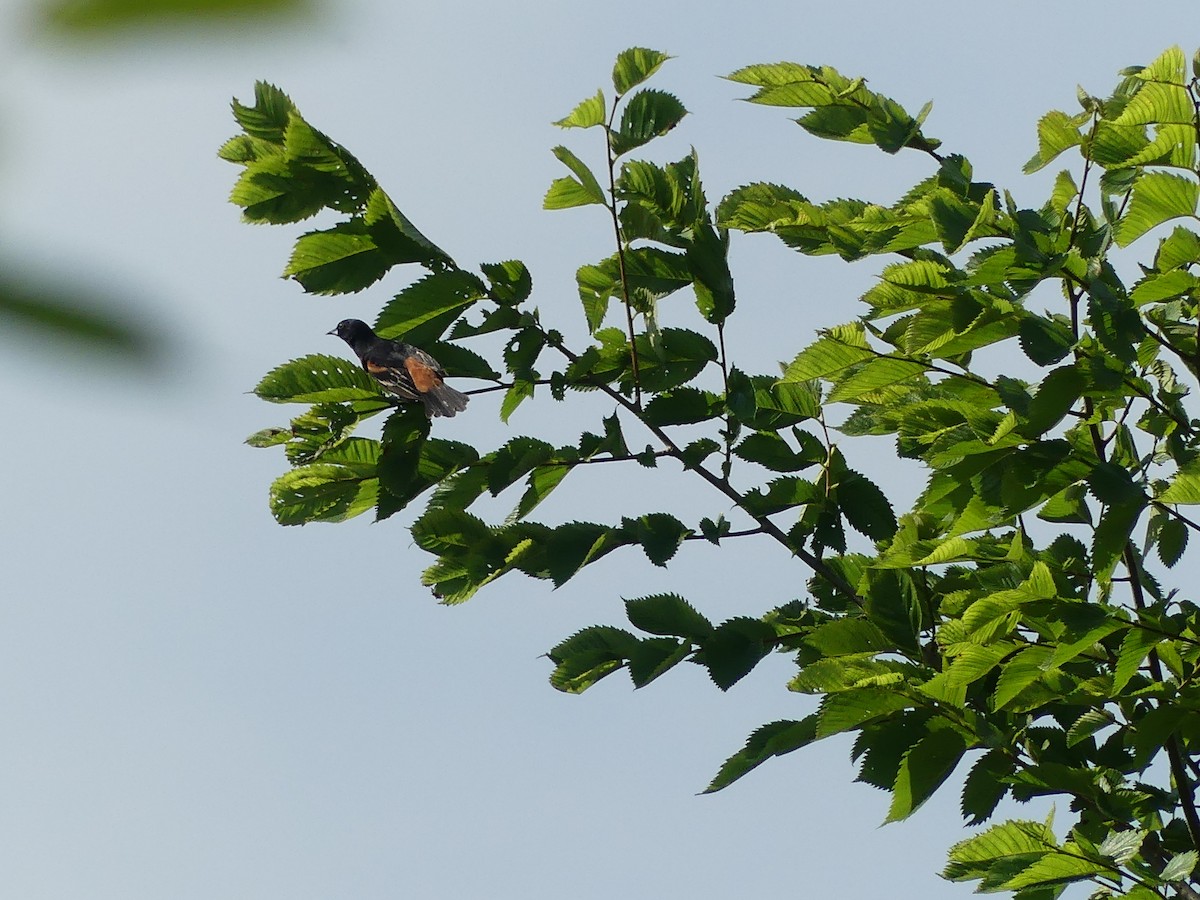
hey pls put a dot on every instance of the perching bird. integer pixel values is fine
(402, 369)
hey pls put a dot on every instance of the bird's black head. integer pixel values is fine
(354, 332)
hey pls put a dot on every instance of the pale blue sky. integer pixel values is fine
(196, 703)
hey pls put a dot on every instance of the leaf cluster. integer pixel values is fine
(1013, 623)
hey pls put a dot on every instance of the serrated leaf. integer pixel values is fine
(841, 637)
(269, 437)
(589, 655)
(654, 656)
(269, 116)
(865, 506)
(1157, 198)
(1184, 487)
(326, 491)
(317, 379)
(1087, 724)
(1135, 648)
(510, 281)
(772, 451)
(1172, 541)
(659, 534)
(774, 739)
(647, 114)
(830, 355)
(567, 193)
(873, 376)
(1181, 866)
(850, 709)
(985, 787)
(1019, 841)
(1122, 846)
(421, 313)
(669, 615)
(682, 406)
(587, 114)
(923, 770)
(1056, 869)
(734, 648)
(520, 391)
(1045, 341)
(635, 65)
(1057, 132)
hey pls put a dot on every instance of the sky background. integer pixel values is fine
(198, 703)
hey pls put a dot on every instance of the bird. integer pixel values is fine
(405, 371)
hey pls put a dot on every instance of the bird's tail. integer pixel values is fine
(444, 400)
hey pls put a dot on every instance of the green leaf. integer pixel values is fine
(515, 459)
(542, 481)
(985, 787)
(850, 709)
(520, 391)
(1020, 842)
(772, 451)
(587, 114)
(682, 406)
(1111, 535)
(269, 116)
(842, 637)
(1087, 724)
(1184, 487)
(659, 534)
(1056, 868)
(586, 185)
(832, 354)
(654, 656)
(707, 257)
(400, 237)
(1157, 198)
(865, 506)
(421, 313)
(342, 259)
(782, 493)
(510, 281)
(893, 603)
(635, 65)
(1025, 668)
(1058, 392)
(774, 739)
(734, 648)
(1179, 249)
(317, 379)
(1172, 541)
(332, 490)
(924, 768)
(1045, 340)
(1135, 648)
(1057, 132)
(668, 615)
(567, 193)
(589, 655)
(648, 114)
(403, 440)
(269, 437)
(1181, 866)
(873, 376)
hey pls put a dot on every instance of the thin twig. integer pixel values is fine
(612, 209)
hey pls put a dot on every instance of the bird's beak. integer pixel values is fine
(332, 331)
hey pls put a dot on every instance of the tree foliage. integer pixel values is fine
(1017, 623)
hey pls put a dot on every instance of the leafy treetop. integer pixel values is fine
(1015, 620)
